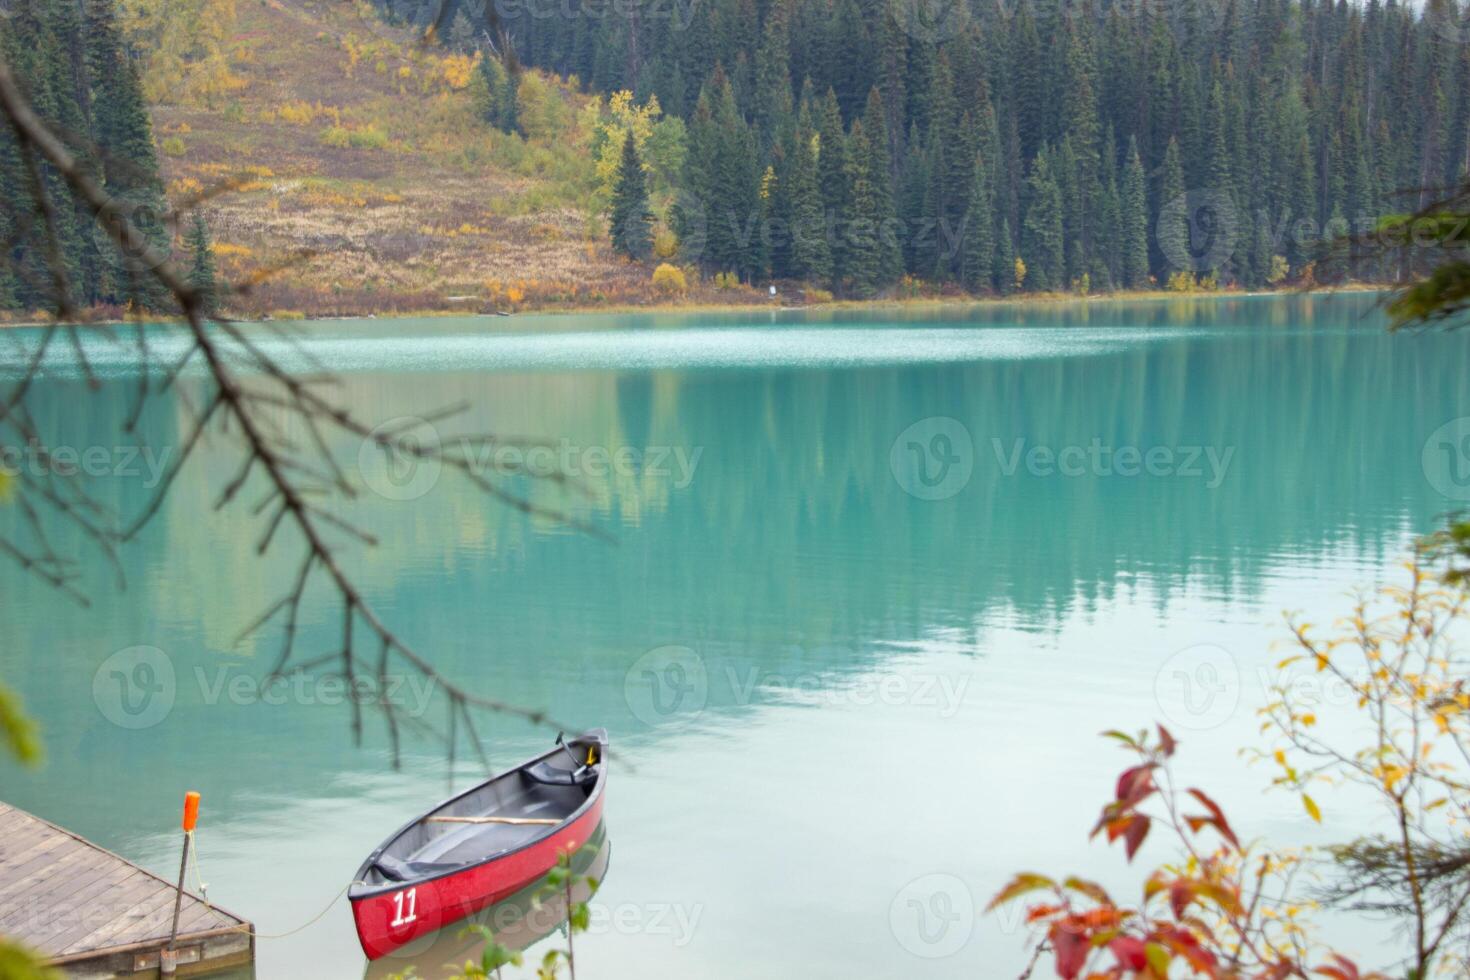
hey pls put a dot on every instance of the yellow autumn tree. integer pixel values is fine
(615, 121)
(1394, 671)
(185, 46)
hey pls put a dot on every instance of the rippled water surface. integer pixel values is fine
(876, 584)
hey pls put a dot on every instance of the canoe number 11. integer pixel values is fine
(405, 907)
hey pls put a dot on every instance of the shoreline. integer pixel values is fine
(839, 305)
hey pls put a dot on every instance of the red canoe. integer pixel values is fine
(480, 846)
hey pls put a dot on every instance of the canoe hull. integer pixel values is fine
(387, 920)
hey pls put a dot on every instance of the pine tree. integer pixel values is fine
(1172, 221)
(122, 130)
(913, 191)
(880, 170)
(864, 260)
(1005, 259)
(1041, 237)
(1133, 201)
(979, 242)
(833, 176)
(202, 277)
(811, 256)
(632, 221)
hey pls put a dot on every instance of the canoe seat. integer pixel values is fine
(549, 775)
(396, 870)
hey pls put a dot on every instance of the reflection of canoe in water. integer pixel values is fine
(480, 846)
(518, 922)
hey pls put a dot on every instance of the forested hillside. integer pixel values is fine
(847, 145)
(1096, 146)
(339, 165)
(72, 60)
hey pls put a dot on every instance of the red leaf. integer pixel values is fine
(1137, 830)
(1221, 824)
(1129, 952)
(1345, 969)
(1135, 784)
(1071, 946)
(1181, 894)
(1167, 744)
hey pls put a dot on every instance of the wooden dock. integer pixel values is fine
(94, 914)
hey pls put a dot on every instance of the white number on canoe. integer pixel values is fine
(405, 907)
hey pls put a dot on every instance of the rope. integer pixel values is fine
(309, 922)
(204, 894)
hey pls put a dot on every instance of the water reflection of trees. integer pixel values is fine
(794, 547)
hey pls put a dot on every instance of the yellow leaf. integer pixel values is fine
(1311, 806)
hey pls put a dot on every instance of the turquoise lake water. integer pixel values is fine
(876, 583)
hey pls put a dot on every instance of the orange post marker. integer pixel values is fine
(191, 810)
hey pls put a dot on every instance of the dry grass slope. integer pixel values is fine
(345, 138)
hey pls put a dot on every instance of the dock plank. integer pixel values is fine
(94, 912)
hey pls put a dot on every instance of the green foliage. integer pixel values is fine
(632, 221)
(494, 92)
(370, 136)
(71, 59)
(19, 732)
(541, 113)
(1293, 113)
(1133, 205)
(564, 881)
(493, 958)
(1041, 236)
(18, 963)
(202, 275)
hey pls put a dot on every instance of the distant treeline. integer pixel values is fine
(71, 59)
(1105, 144)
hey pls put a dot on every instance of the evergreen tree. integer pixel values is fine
(1041, 236)
(979, 240)
(1005, 259)
(202, 276)
(811, 256)
(1172, 222)
(864, 259)
(632, 221)
(880, 171)
(833, 176)
(1133, 199)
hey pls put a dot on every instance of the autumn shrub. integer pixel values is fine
(665, 243)
(669, 280)
(1227, 909)
(367, 137)
(1182, 281)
